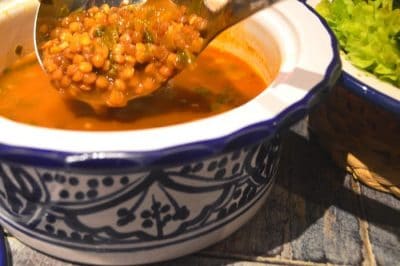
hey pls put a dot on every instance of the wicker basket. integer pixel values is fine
(361, 138)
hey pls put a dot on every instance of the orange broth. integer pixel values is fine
(219, 81)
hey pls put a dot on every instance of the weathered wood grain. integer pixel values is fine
(383, 216)
(323, 209)
(197, 260)
(23, 255)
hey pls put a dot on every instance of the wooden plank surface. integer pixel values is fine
(315, 215)
(383, 215)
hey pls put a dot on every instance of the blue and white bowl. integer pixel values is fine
(366, 85)
(142, 196)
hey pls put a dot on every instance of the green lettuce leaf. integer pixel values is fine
(368, 32)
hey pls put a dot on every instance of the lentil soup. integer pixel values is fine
(217, 82)
(108, 55)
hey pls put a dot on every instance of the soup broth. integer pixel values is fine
(217, 82)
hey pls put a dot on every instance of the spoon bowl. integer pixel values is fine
(49, 11)
(219, 14)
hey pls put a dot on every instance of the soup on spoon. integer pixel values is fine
(107, 55)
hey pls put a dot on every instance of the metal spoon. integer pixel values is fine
(220, 14)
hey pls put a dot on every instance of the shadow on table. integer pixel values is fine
(313, 213)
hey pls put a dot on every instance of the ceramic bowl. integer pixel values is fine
(141, 196)
(366, 85)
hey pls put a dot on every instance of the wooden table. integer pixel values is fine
(315, 215)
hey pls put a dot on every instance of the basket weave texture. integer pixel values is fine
(361, 138)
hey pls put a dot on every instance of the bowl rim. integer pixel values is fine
(374, 96)
(248, 134)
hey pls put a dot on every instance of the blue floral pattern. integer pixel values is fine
(138, 210)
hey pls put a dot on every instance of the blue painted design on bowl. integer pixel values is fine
(138, 211)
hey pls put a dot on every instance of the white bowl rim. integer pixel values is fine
(314, 54)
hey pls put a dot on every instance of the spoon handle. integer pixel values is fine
(222, 14)
(239, 8)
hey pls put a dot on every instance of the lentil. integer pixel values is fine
(101, 83)
(127, 49)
